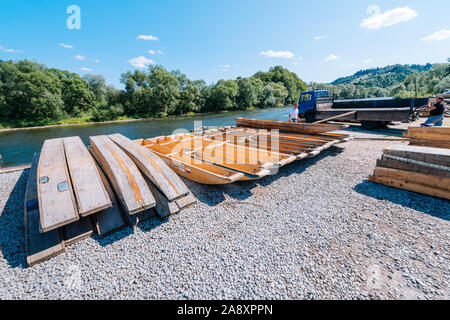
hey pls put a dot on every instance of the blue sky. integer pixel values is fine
(211, 39)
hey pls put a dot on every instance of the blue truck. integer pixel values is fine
(373, 113)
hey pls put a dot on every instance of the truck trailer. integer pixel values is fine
(373, 113)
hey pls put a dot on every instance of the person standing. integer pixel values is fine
(436, 109)
(293, 114)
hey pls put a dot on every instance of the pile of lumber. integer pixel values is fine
(436, 137)
(419, 169)
(74, 192)
(285, 126)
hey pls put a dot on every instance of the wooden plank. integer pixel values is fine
(39, 246)
(153, 168)
(164, 207)
(410, 186)
(127, 182)
(430, 143)
(436, 182)
(437, 156)
(186, 201)
(57, 206)
(77, 231)
(402, 165)
(429, 133)
(110, 219)
(87, 185)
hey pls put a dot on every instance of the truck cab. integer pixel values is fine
(310, 101)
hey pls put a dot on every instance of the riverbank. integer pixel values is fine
(340, 237)
(82, 121)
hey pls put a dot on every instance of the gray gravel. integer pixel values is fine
(317, 230)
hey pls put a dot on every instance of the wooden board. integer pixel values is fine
(88, 188)
(401, 165)
(435, 182)
(127, 182)
(430, 143)
(164, 207)
(186, 201)
(57, 206)
(429, 133)
(110, 219)
(77, 231)
(153, 168)
(410, 186)
(436, 156)
(39, 246)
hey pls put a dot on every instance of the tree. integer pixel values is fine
(97, 84)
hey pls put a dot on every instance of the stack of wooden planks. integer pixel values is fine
(436, 137)
(285, 126)
(73, 192)
(414, 168)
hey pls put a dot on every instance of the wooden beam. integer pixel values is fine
(128, 183)
(436, 182)
(402, 165)
(77, 231)
(410, 186)
(39, 246)
(153, 168)
(437, 156)
(87, 185)
(57, 204)
(336, 117)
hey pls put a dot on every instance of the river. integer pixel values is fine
(17, 147)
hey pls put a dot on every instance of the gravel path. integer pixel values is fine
(316, 230)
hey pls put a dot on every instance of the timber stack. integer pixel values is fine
(419, 169)
(74, 192)
(437, 137)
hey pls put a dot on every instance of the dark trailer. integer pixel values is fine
(372, 113)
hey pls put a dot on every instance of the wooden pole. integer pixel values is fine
(336, 117)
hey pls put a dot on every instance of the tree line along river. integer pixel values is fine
(18, 146)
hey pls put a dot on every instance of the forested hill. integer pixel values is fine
(383, 77)
(401, 81)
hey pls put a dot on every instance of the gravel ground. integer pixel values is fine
(316, 230)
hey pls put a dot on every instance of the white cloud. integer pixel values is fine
(367, 61)
(155, 51)
(65, 45)
(140, 62)
(147, 37)
(277, 54)
(86, 69)
(438, 35)
(388, 18)
(318, 38)
(11, 50)
(1, 48)
(96, 61)
(78, 57)
(331, 57)
(348, 65)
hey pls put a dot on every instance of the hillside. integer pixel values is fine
(383, 77)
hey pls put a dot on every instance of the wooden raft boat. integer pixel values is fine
(227, 155)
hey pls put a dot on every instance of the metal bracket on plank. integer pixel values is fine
(63, 186)
(43, 180)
